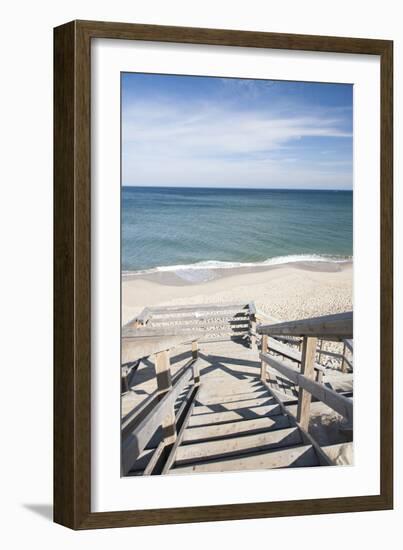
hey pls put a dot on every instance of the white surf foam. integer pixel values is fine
(185, 270)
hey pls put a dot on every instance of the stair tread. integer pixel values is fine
(229, 390)
(232, 405)
(234, 429)
(244, 444)
(258, 394)
(235, 415)
(297, 456)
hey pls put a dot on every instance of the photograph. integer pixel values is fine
(236, 274)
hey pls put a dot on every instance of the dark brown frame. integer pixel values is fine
(72, 268)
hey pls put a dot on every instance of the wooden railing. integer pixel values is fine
(215, 322)
(337, 327)
(344, 359)
(159, 410)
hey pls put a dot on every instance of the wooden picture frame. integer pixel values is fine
(72, 272)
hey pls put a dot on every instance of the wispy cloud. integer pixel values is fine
(212, 142)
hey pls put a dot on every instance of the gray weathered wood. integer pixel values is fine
(197, 307)
(236, 429)
(339, 403)
(252, 331)
(263, 365)
(343, 361)
(299, 456)
(196, 316)
(234, 415)
(339, 325)
(224, 448)
(164, 385)
(154, 459)
(308, 371)
(233, 405)
(195, 356)
(289, 352)
(307, 439)
(161, 446)
(136, 441)
(172, 454)
(349, 343)
(142, 345)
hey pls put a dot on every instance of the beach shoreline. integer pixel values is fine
(285, 291)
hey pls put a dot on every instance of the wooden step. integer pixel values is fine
(224, 385)
(234, 429)
(258, 394)
(233, 405)
(293, 457)
(222, 394)
(239, 445)
(233, 416)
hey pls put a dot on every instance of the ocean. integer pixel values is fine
(192, 230)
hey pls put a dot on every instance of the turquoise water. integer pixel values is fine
(185, 229)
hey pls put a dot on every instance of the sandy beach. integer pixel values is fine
(287, 291)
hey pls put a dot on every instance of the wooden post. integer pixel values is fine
(195, 356)
(343, 362)
(164, 384)
(319, 376)
(195, 349)
(253, 344)
(308, 370)
(320, 351)
(263, 365)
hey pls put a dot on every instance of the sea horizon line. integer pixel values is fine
(233, 188)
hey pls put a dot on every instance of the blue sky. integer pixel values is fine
(182, 131)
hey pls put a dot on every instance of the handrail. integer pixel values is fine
(139, 343)
(206, 322)
(349, 343)
(199, 307)
(338, 326)
(329, 397)
(136, 441)
(145, 342)
(289, 352)
(137, 414)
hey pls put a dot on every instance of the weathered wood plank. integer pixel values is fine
(154, 459)
(233, 314)
(144, 344)
(235, 429)
(164, 386)
(290, 353)
(339, 325)
(308, 371)
(252, 330)
(136, 441)
(197, 307)
(300, 456)
(339, 403)
(210, 450)
(349, 343)
(172, 455)
(247, 396)
(232, 416)
(263, 365)
(233, 405)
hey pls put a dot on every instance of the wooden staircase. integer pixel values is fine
(227, 407)
(245, 428)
